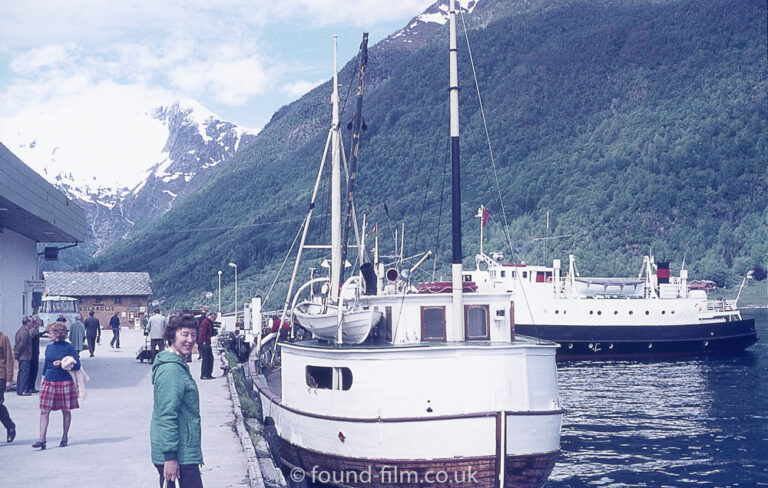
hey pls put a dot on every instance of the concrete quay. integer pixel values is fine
(109, 437)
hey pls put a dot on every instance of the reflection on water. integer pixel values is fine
(696, 422)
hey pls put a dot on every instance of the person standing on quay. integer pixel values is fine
(58, 390)
(156, 328)
(114, 322)
(6, 381)
(77, 333)
(22, 351)
(174, 432)
(204, 341)
(34, 363)
(92, 332)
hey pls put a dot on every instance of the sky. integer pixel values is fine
(78, 77)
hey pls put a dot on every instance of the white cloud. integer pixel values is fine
(299, 88)
(102, 131)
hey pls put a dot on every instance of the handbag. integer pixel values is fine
(175, 483)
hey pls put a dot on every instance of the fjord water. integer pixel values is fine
(697, 422)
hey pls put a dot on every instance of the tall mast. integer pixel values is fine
(456, 266)
(356, 127)
(336, 264)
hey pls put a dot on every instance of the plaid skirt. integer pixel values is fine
(58, 395)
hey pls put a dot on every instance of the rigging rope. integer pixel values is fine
(487, 136)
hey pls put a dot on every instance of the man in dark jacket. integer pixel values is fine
(34, 363)
(204, 342)
(6, 381)
(92, 332)
(22, 351)
(114, 322)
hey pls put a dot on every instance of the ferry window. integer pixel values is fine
(325, 378)
(647, 312)
(525, 274)
(513, 274)
(476, 322)
(118, 300)
(468, 278)
(503, 274)
(599, 312)
(433, 323)
(631, 312)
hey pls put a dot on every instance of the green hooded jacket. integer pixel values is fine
(175, 429)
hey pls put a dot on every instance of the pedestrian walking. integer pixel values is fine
(156, 328)
(114, 322)
(92, 332)
(58, 390)
(34, 363)
(6, 381)
(22, 351)
(204, 341)
(174, 433)
(77, 333)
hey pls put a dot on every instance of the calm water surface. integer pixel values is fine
(697, 422)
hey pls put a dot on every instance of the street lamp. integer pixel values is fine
(233, 265)
(219, 292)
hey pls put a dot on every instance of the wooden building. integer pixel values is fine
(105, 293)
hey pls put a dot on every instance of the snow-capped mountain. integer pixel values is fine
(197, 142)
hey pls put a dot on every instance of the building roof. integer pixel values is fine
(80, 284)
(34, 208)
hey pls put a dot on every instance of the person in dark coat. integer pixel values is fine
(6, 381)
(22, 351)
(204, 341)
(114, 322)
(34, 363)
(92, 332)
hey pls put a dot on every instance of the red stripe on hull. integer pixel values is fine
(528, 471)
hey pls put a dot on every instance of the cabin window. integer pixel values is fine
(525, 274)
(468, 278)
(513, 274)
(325, 378)
(503, 274)
(433, 323)
(543, 276)
(476, 322)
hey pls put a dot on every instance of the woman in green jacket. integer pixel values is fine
(175, 429)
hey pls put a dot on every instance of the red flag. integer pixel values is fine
(375, 228)
(485, 215)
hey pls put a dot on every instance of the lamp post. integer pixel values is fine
(233, 265)
(219, 311)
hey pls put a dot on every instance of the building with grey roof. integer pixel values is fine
(104, 293)
(32, 211)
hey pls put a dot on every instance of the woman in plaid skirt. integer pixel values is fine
(58, 390)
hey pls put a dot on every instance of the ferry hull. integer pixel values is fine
(617, 342)
(523, 471)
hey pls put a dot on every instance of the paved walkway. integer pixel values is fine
(109, 437)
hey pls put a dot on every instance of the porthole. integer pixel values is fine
(672, 312)
(557, 312)
(647, 312)
(591, 312)
(631, 312)
(599, 312)
(663, 312)
(615, 312)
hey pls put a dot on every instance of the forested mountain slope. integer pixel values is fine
(637, 125)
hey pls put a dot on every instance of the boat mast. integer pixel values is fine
(453, 96)
(356, 126)
(336, 264)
